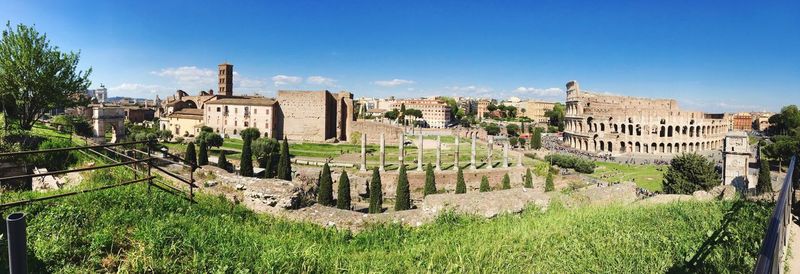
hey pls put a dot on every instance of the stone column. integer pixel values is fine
(401, 148)
(438, 152)
(505, 155)
(383, 153)
(456, 160)
(419, 153)
(472, 156)
(363, 152)
(490, 147)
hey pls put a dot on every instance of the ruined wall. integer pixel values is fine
(446, 179)
(305, 115)
(374, 129)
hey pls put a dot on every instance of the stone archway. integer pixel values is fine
(108, 118)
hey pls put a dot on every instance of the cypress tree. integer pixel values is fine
(246, 168)
(430, 180)
(461, 186)
(764, 181)
(403, 198)
(548, 183)
(269, 169)
(202, 157)
(343, 199)
(375, 192)
(191, 156)
(284, 166)
(485, 184)
(506, 182)
(528, 179)
(222, 162)
(536, 138)
(325, 190)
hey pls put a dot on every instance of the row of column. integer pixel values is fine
(420, 153)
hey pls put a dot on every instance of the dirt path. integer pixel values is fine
(792, 261)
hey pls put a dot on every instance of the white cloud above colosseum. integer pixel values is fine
(321, 80)
(393, 83)
(281, 80)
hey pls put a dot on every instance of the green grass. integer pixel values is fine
(128, 230)
(47, 132)
(649, 177)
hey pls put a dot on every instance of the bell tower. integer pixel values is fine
(226, 79)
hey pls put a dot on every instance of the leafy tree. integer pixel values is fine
(202, 158)
(206, 129)
(556, 116)
(375, 193)
(212, 139)
(522, 142)
(392, 114)
(36, 77)
(191, 155)
(513, 141)
(325, 190)
(764, 180)
(485, 184)
(492, 129)
(548, 182)
(222, 162)
(54, 161)
(688, 173)
(284, 166)
(461, 186)
(528, 178)
(430, 180)
(248, 135)
(491, 107)
(343, 199)
(403, 198)
(165, 135)
(536, 138)
(266, 151)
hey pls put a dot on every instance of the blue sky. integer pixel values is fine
(710, 55)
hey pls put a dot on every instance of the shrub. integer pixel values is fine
(536, 138)
(461, 186)
(222, 162)
(548, 183)
(764, 181)
(403, 198)
(430, 181)
(375, 193)
(485, 184)
(568, 161)
(191, 155)
(325, 190)
(528, 178)
(179, 140)
(55, 161)
(688, 173)
(506, 182)
(284, 166)
(202, 157)
(343, 197)
(248, 135)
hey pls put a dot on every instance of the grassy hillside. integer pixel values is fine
(649, 177)
(126, 229)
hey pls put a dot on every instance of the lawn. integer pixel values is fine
(127, 229)
(649, 177)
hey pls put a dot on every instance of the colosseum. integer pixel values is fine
(627, 125)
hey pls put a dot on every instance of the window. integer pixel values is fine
(217, 109)
(245, 124)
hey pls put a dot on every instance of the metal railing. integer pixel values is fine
(772, 247)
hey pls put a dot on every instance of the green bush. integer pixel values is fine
(375, 193)
(284, 169)
(191, 155)
(485, 184)
(764, 180)
(461, 186)
(568, 161)
(430, 181)
(506, 182)
(343, 193)
(325, 189)
(403, 193)
(528, 178)
(688, 173)
(55, 161)
(548, 183)
(202, 156)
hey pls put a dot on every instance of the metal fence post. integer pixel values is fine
(149, 166)
(17, 243)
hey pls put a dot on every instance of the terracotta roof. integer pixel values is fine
(243, 101)
(188, 113)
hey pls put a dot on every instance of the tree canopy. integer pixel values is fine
(36, 77)
(688, 173)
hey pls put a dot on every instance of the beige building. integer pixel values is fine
(533, 110)
(184, 122)
(229, 116)
(315, 115)
(622, 124)
(736, 155)
(482, 108)
(435, 113)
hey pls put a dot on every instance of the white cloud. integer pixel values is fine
(189, 76)
(462, 90)
(281, 79)
(319, 80)
(541, 92)
(393, 83)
